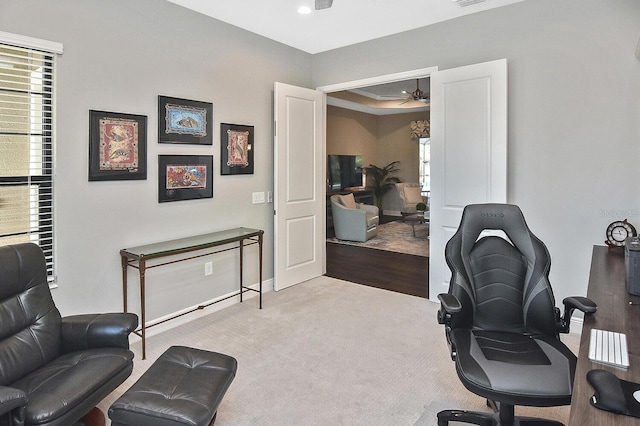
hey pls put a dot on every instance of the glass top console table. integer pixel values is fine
(205, 245)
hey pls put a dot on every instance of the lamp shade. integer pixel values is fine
(420, 129)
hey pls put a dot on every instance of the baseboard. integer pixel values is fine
(576, 325)
(159, 324)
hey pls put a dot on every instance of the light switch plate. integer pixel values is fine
(258, 197)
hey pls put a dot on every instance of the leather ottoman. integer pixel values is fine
(184, 386)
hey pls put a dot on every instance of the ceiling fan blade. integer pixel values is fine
(323, 4)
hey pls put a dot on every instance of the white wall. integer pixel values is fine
(119, 55)
(574, 110)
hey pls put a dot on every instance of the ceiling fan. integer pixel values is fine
(323, 4)
(416, 95)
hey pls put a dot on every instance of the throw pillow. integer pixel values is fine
(413, 195)
(348, 201)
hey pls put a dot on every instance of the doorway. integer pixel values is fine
(389, 113)
(385, 104)
(476, 96)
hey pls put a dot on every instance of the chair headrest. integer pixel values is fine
(477, 218)
(22, 266)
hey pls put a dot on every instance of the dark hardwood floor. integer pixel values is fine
(399, 272)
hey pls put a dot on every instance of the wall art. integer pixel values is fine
(236, 149)
(184, 177)
(117, 146)
(184, 121)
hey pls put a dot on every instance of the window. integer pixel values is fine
(425, 166)
(26, 148)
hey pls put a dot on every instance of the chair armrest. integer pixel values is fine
(369, 209)
(10, 399)
(583, 304)
(587, 306)
(80, 332)
(449, 304)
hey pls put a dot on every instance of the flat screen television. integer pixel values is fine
(344, 171)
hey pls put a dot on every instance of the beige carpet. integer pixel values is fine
(398, 237)
(328, 352)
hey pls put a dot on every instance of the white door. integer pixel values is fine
(299, 191)
(468, 152)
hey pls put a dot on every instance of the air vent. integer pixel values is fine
(463, 3)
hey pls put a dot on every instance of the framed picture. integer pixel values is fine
(184, 121)
(117, 146)
(236, 149)
(184, 177)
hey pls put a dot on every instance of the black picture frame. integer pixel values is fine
(184, 121)
(184, 177)
(117, 146)
(236, 149)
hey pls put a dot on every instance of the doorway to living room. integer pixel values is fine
(372, 119)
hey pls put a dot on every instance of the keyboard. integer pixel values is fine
(609, 347)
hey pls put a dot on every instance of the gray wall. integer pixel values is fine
(119, 56)
(574, 124)
(574, 110)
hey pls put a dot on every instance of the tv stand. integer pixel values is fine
(360, 194)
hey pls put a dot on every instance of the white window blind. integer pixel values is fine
(26, 148)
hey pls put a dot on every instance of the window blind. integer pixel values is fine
(26, 149)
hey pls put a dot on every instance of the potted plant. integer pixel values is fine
(421, 208)
(380, 179)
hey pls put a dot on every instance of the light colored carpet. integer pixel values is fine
(396, 236)
(328, 352)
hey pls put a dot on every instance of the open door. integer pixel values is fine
(468, 152)
(299, 185)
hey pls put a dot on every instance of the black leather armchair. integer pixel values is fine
(53, 370)
(500, 318)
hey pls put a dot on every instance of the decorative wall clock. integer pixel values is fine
(618, 232)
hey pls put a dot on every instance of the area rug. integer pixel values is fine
(397, 237)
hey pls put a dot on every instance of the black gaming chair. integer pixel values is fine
(501, 321)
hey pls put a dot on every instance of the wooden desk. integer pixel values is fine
(137, 258)
(607, 287)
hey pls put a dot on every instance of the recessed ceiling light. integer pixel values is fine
(304, 10)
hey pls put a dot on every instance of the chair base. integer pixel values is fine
(489, 419)
(503, 415)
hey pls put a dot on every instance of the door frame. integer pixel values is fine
(370, 81)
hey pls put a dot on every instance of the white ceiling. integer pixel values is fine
(347, 22)
(382, 99)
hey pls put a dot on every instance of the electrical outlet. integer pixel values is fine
(208, 268)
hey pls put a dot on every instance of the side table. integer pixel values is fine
(415, 218)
